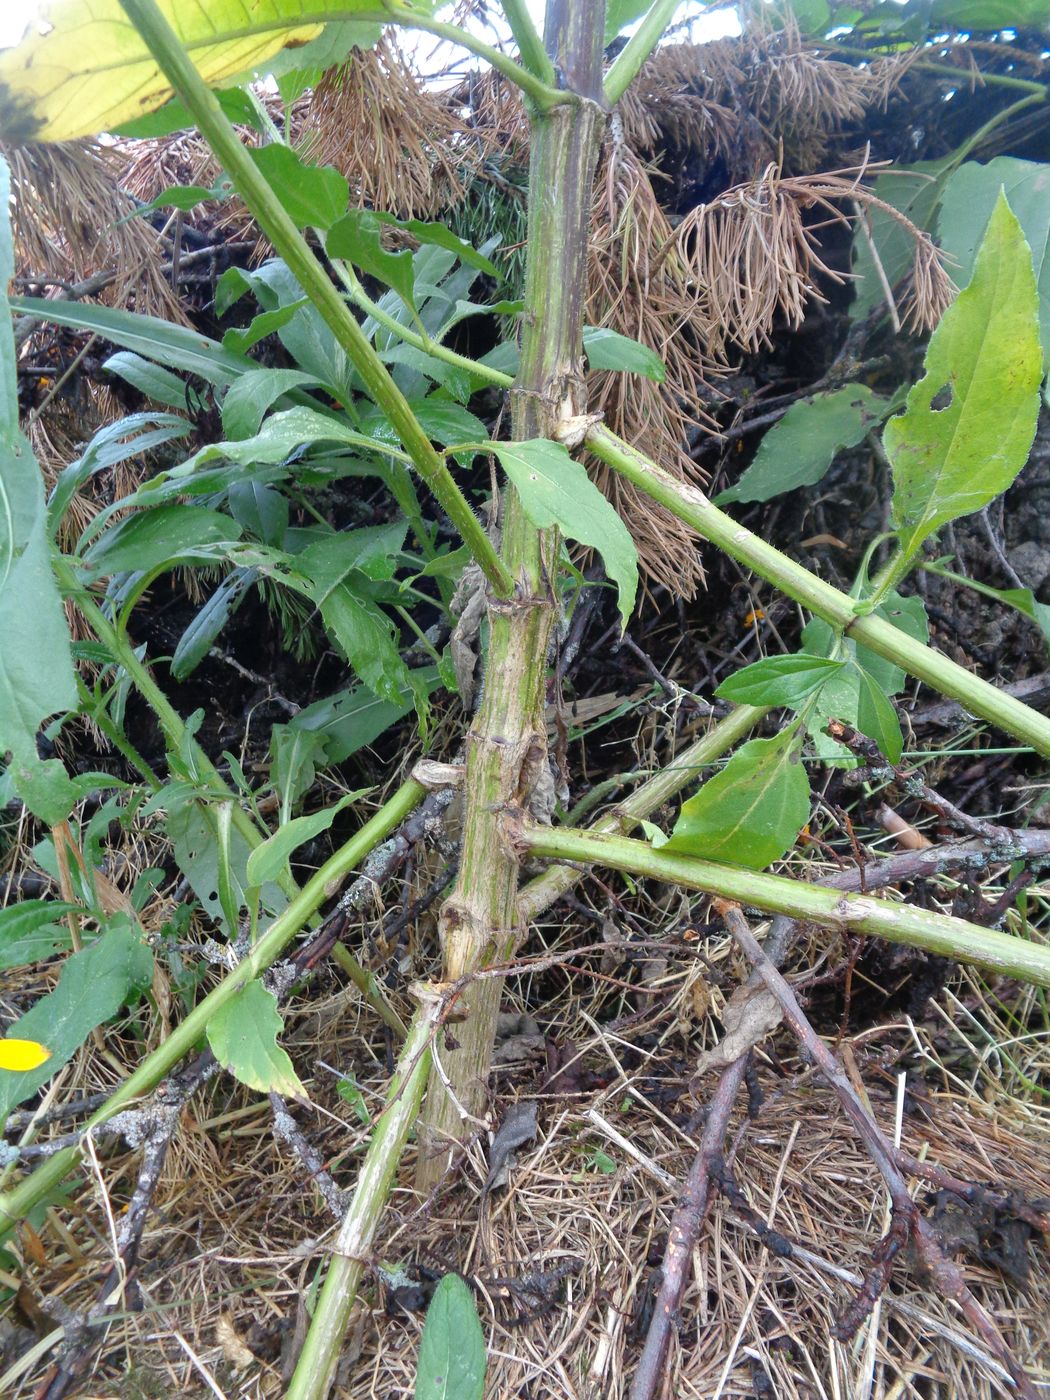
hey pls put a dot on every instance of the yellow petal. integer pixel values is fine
(22, 1054)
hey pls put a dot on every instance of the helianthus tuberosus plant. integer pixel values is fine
(387, 395)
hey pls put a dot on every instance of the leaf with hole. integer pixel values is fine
(778, 680)
(243, 1038)
(752, 811)
(556, 490)
(969, 422)
(36, 667)
(452, 1350)
(799, 449)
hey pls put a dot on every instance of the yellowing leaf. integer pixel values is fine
(22, 1054)
(82, 67)
(243, 1038)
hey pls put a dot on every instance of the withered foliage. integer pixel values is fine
(72, 217)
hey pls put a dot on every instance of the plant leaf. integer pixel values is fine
(30, 931)
(154, 381)
(969, 198)
(556, 490)
(36, 666)
(985, 356)
(83, 68)
(799, 449)
(778, 680)
(752, 811)
(608, 349)
(916, 191)
(876, 717)
(178, 347)
(452, 1350)
(95, 983)
(195, 642)
(250, 398)
(268, 861)
(241, 338)
(153, 537)
(619, 14)
(312, 195)
(243, 1038)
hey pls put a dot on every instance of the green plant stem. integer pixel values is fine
(186, 1035)
(530, 45)
(507, 745)
(98, 714)
(275, 223)
(798, 899)
(691, 505)
(628, 62)
(420, 340)
(352, 1251)
(542, 891)
(178, 740)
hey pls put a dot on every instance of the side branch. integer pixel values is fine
(691, 505)
(898, 923)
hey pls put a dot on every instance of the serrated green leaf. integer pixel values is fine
(442, 237)
(356, 238)
(94, 984)
(556, 490)
(31, 931)
(799, 449)
(250, 398)
(268, 861)
(778, 680)
(877, 718)
(984, 361)
(452, 1350)
(608, 349)
(243, 1038)
(752, 811)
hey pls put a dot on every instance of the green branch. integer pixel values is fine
(271, 217)
(528, 40)
(352, 1250)
(34, 1188)
(639, 46)
(541, 892)
(798, 899)
(691, 505)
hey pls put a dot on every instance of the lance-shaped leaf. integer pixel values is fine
(82, 67)
(778, 680)
(452, 1352)
(243, 1038)
(555, 490)
(750, 813)
(36, 669)
(969, 422)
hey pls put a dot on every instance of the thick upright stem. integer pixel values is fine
(507, 744)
